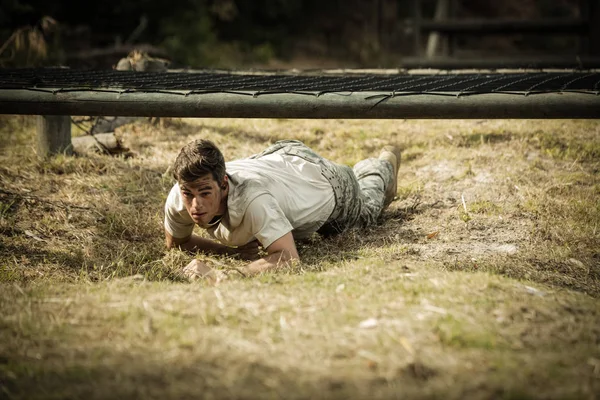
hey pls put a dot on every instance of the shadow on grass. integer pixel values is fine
(347, 246)
(25, 258)
(107, 373)
(123, 377)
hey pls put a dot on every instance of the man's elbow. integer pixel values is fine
(169, 243)
(293, 255)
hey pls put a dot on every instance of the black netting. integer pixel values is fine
(531, 82)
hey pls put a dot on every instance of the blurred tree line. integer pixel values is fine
(225, 33)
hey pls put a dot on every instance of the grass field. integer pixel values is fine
(481, 281)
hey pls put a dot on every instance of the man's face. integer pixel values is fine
(204, 199)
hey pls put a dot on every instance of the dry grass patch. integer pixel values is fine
(481, 281)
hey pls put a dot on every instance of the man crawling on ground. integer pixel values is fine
(270, 199)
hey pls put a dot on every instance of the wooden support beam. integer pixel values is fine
(54, 135)
(366, 105)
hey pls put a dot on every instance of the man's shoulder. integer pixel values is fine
(244, 163)
(174, 197)
(255, 170)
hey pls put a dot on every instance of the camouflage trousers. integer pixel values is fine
(359, 191)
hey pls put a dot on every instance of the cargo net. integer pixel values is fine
(378, 85)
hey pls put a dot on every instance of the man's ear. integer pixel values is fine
(224, 184)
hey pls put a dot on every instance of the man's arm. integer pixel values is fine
(280, 253)
(194, 243)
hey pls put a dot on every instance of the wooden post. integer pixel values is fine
(54, 135)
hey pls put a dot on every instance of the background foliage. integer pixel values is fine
(233, 33)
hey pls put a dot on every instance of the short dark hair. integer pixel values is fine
(198, 158)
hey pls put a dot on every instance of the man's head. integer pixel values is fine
(197, 159)
(200, 171)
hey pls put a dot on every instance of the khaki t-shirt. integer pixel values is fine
(268, 197)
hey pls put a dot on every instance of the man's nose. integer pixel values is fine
(197, 203)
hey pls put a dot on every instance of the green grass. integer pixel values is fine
(496, 297)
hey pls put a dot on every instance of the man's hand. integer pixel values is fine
(197, 269)
(249, 251)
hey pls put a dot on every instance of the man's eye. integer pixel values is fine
(205, 194)
(187, 194)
